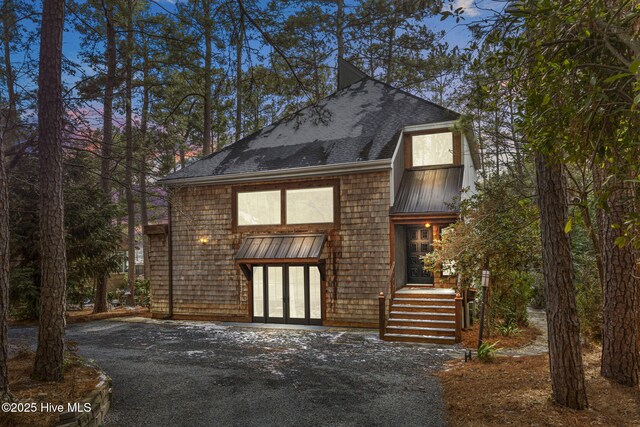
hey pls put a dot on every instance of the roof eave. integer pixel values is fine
(273, 175)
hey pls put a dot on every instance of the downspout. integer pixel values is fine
(170, 256)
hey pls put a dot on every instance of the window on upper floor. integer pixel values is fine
(432, 149)
(285, 206)
(259, 208)
(310, 205)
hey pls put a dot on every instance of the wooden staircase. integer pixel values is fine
(420, 313)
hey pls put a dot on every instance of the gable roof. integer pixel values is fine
(359, 123)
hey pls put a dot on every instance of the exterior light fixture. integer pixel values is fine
(427, 225)
(203, 240)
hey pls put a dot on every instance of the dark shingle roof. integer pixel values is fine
(429, 190)
(361, 122)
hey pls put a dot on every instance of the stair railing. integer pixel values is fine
(383, 310)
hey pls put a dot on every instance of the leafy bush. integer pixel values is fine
(509, 329)
(24, 293)
(79, 292)
(487, 352)
(142, 288)
(499, 232)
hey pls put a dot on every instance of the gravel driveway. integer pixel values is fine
(172, 373)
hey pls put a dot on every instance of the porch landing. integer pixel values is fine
(425, 289)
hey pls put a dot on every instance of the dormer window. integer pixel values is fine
(432, 149)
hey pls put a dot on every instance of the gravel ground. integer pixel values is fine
(171, 373)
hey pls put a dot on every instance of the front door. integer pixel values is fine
(287, 294)
(420, 242)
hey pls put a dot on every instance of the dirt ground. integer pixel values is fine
(87, 315)
(517, 391)
(79, 380)
(526, 336)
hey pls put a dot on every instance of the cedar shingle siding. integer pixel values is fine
(207, 282)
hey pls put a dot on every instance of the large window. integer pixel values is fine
(432, 149)
(259, 208)
(310, 205)
(294, 206)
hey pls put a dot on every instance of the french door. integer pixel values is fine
(287, 294)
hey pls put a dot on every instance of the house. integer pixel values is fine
(309, 219)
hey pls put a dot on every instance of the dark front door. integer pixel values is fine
(420, 242)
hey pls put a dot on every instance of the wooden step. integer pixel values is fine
(423, 308)
(428, 323)
(422, 315)
(434, 339)
(419, 330)
(424, 301)
(417, 293)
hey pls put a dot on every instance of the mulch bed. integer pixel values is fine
(79, 380)
(526, 336)
(517, 391)
(87, 315)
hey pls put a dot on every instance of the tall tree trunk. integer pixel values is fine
(389, 55)
(7, 139)
(340, 28)
(4, 277)
(144, 220)
(100, 300)
(565, 354)
(128, 131)
(206, 129)
(9, 133)
(620, 291)
(53, 263)
(239, 42)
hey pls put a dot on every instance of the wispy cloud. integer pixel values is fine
(469, 7)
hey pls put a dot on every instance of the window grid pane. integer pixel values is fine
(315, 297)
(296, 293)
(310, 206)
(433, 149)
(259, 208)
(258, 291)
(274, 283)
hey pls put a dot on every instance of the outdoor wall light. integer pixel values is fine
(427, 225)
(203, 240)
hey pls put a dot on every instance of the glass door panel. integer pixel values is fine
(258, 292)
(275, 292)
(296, 293)
(315, 300)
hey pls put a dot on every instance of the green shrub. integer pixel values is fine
(509, 329)
(142, 288)
(487, 352)
(24, 293)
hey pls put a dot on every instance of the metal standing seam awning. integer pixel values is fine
(281, 249)
(429, 191)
